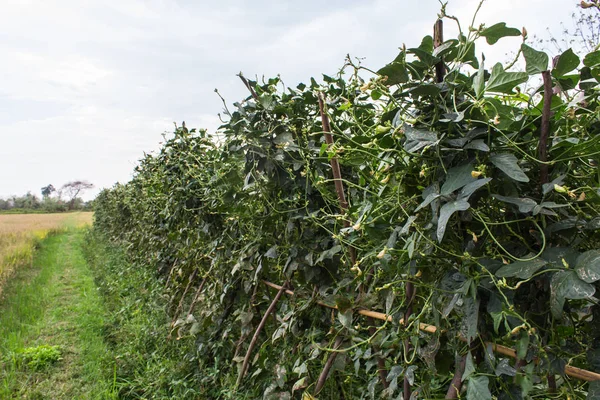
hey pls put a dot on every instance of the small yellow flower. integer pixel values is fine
(476, 174)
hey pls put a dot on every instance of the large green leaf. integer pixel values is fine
(567, 285)
(566, 63)
(592, 59)
(416, 139)
(588, 266)
(446, 212)
(508, 164)
(471, 317)
(396, 73)
(558, 256)
(470, 188)
(535, 61)
(456, 178)
(498, 31)
(478, 389)
(521, 269)
(593, 391)
(504, 82)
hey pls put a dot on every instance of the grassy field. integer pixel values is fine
(20, 233)
(52, 321)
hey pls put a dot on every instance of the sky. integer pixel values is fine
(88, 86)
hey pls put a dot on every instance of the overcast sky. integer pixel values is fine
(87, 86)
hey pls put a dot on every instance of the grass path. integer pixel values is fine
(54, 302)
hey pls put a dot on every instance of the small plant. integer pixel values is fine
(38, 358)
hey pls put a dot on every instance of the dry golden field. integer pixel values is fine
(20, 232)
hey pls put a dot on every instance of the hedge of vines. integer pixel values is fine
(467, 199)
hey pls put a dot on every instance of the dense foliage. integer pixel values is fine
(454, 219)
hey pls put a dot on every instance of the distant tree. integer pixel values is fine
(73, 189)
(27, 202)
(584, 33)
(47, 191)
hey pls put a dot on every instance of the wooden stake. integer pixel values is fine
(438, 39)
(545, 128)
(456, 384)
(257, 334)
(187, 287)
(250, 88)
(197, 295)
(325, 372)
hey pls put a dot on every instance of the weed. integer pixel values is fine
(38, 358)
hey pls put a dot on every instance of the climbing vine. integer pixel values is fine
(431, 228)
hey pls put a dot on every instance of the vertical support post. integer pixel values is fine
(339, 188)
(257, 334)
(545, 128)
(456, 384)
(337, 175)
(325, 372)
(438, 39)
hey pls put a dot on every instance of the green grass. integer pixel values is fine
(54, 304)
(149, 365)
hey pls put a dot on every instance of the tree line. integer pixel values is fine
(65, 198)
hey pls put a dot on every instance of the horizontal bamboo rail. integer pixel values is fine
(505, 351)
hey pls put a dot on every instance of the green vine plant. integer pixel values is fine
(461, 202)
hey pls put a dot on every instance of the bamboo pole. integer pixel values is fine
(571, 371)
(256, 335)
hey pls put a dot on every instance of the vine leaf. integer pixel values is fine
(346, 318)
(272, 252)
(594, 391)
(498, 31)
(535, 61)
(477, 145)
(592, 59)
(558, 256)
(430, 197)
(521, 269)
(525, 204)
(395, 71)
(567, 285)
(478, 389)
(328, 254)
(545, 208)
(471, 317)
(469, 367)
(566, 63)
(471, 188)
(504, 82)
(504, 368)
(300, 384)
(417, 139)
(588, 266)
(508, 164)
(457, 178)
(446, 212)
